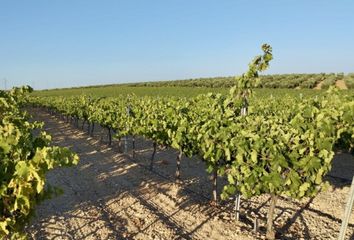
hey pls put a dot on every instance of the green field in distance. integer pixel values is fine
(111, 91)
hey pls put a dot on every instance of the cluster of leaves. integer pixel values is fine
(331, 80)
(25, 159)
(349, 80)
(282, 146)
(267, 81)
(288, 142)
(280, 140)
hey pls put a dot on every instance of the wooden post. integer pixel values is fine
(244, 110)
(127, 128)
(215, 181)
(255, 224)
(125, 144)
(152, 157)
(237, 206)
(120, 145)
(88, 127)
(347, 212)
(270, 232)
(109, 137)
(133, 146)
(178, 167)
(92, 128)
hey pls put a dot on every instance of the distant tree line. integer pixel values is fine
(266, 81)
(293, 80)
(349, 80)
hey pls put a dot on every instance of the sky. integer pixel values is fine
(65, 43)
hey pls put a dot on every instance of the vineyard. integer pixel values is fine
(290, 84)
(25, 160)
(112, 195)
(288, 81)
(252, 145)
(183, 92)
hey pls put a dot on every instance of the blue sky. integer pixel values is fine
(62, 43)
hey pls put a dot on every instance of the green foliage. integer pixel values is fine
(283, 145)
(25, 159)
(286, 147)
(281, 140)
(288, 83)
(349, 80)
(330, 81)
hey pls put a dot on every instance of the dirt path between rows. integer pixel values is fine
(318, 86)
(109, 196)
(341, 84)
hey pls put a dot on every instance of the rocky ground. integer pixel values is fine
(111, 195)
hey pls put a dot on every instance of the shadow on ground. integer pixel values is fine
(113, 196)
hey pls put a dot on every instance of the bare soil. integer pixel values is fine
(318, 86)
(111, 195)
(341, 84)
